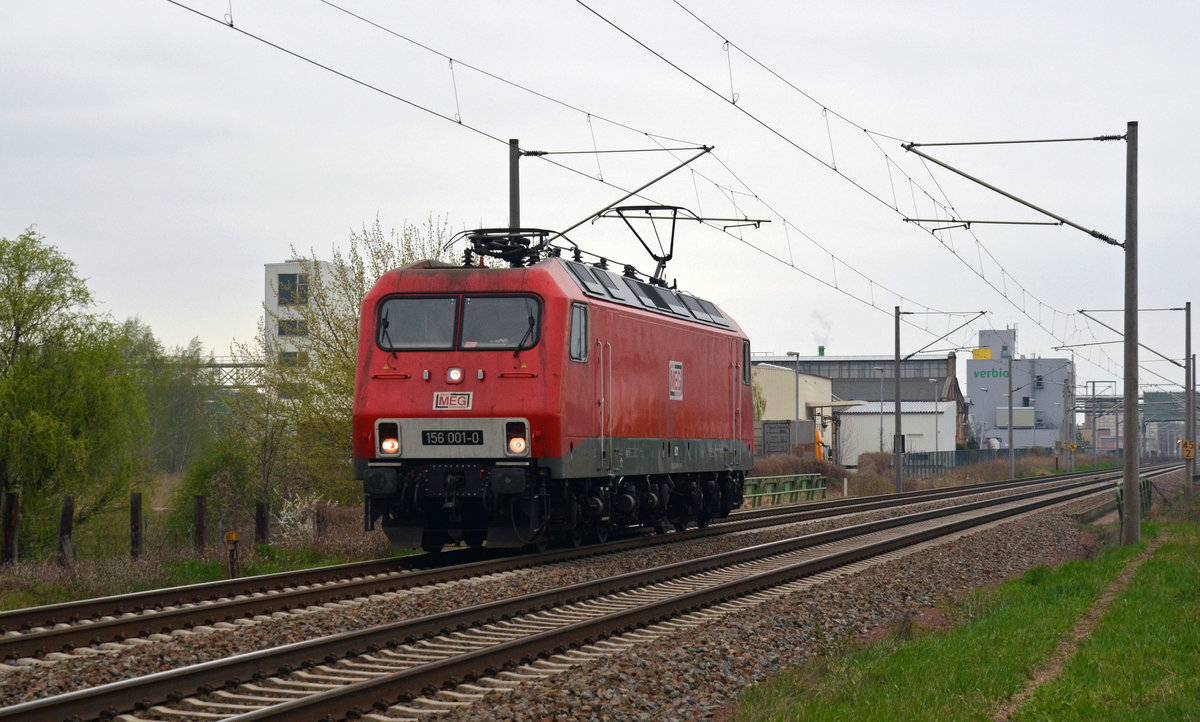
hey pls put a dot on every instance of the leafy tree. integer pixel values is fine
(38, 287)
(296, 432)
(177, 387)
(220, 472)
(71, 418)
(759, 400)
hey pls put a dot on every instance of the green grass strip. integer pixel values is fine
(959, 674)
(1143, 661)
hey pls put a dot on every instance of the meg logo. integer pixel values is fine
(451, 400)
(675, 380)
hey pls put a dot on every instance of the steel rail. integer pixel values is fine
(135, 617)
(354, 699)
(231, 671)
(115, 605)
(271, 596)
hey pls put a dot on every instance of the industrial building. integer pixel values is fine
(795, 415)
(1043, 396)
(862, 398)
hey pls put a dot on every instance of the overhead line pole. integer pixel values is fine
(1012, 449)
(1131, 527)
(898, 441)
(1189, 413)
(514, 184)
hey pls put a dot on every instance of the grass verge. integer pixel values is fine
(1140, 663)
(31, 585)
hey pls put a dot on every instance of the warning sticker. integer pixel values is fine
(675, 380)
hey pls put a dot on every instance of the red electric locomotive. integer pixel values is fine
(545, 403)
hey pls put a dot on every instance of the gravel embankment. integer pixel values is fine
(702, 673)
(669, 679)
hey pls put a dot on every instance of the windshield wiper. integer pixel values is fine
(528, 329)
(383, 331)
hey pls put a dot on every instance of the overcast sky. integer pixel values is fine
(171, 156)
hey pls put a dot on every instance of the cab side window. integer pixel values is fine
(579, 332)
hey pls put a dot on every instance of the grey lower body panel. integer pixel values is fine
(635, 457)
(598, 485)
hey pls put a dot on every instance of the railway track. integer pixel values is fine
(374, 668)
(38, 631)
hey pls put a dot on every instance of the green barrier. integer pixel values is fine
(787, 488)
(1143, 492)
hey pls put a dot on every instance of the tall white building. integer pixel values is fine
(286, 287)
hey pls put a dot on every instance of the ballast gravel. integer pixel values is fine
(682, 677)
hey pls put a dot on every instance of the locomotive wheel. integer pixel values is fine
(574, 537)
(681, 525)
(539, 544)
(474, 538)
(702, 522)
(660, 526)
(601, 531)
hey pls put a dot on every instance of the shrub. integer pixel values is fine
(782, 464)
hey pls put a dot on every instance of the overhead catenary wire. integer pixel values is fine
(457, 119)
(733, 98)
(835, 260)
(981, 248)
(377, 89)
(825, 111)
(872, 134)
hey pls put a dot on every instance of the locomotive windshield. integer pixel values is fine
(500, 322)
(506, 323)
(409, 324)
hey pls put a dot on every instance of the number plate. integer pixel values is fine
(472, 437)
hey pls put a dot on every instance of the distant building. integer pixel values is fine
(869, 381)
(797, 415)
(285, 294)
(1043, 396)
(927, 426)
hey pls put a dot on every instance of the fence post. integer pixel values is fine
(260, 522)
(66, 520)
(198, 523)
(231, 542)
(8, 528)
(321, 520)
(135, 524)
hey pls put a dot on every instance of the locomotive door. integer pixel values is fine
(739, 355)
(602, 365)
(604, 404)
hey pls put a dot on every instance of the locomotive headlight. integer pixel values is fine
(517, 435)
(388, 434)
(454, 375)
